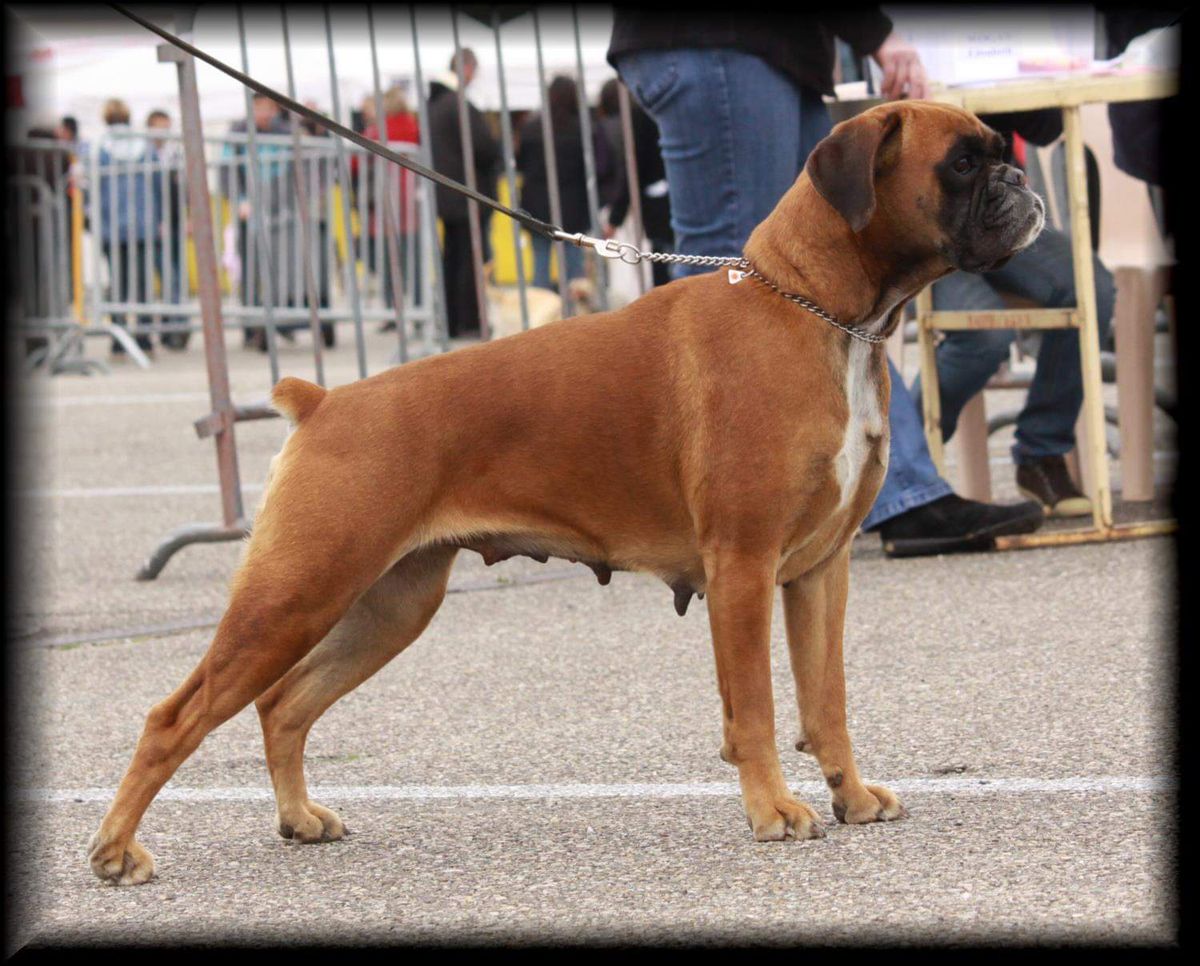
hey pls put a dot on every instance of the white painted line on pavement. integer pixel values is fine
(152, 398)
(101, 492)
(1107, 784)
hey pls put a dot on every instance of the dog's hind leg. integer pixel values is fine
(815, 610)
(286, 597)
(381, 624)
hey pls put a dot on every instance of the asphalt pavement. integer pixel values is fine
(542, 765)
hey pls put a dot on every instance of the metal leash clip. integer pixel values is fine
(607, 247)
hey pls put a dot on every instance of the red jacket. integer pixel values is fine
(400, 127)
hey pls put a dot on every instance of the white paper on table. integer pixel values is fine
(974, 45)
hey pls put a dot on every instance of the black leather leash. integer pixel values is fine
(536, 225)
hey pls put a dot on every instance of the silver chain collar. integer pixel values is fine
(632, 255)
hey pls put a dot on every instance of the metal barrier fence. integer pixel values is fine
(143, 255)
(273, 230)
(130, 273)
(38, 230)
(43, 261)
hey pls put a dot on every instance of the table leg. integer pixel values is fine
(974, 471)
(1089, 347)
(1134, 323)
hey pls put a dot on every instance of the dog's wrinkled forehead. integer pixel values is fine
(967, 135)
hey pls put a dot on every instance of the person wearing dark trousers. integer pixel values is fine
(609, 144)
(1138, 127)
(652, 183)
(445, 143)
(572, 178)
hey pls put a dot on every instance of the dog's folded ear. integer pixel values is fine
(843, 166)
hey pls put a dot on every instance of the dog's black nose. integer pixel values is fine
(1013, 176)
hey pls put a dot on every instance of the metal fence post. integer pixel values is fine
(551, 163)
(635, 189)
(510, 172)
(92, 198)
(589, 161)
(259, 215)
(468, 153)
(440, 320)
(344, 174)
(312, 292)
(234, 525)
(390, 233)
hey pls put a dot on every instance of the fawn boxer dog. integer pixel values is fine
(712, 433)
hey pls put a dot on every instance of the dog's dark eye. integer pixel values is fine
(964, 164)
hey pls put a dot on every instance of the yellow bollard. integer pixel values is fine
(504, 259)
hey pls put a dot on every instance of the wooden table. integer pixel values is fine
(1067, 93)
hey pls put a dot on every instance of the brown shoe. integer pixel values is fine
(1048, 481)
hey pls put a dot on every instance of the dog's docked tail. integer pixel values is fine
(296, 399)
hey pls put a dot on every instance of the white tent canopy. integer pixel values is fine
(86, 59)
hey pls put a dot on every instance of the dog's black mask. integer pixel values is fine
(988, 212)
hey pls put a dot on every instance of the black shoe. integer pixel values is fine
(1048, 481)
(954, 525)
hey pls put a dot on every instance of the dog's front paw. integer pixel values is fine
(311, 823)
(783, 817)
(875, 803)
(129, 865)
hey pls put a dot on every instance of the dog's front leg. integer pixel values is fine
(815, 610)
(740, 590)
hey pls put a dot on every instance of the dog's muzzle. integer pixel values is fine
(1012, 209)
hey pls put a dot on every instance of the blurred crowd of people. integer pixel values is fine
(143, 220)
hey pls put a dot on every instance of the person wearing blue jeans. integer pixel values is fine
(738, 105)
(712, 107)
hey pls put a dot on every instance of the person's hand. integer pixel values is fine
(903, 72)
(609, 231)
(244, 210)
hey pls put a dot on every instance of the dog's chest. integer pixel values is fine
(864, 423)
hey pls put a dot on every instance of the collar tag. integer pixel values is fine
(735, 276)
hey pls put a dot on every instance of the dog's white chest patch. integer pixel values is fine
(865, 421)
